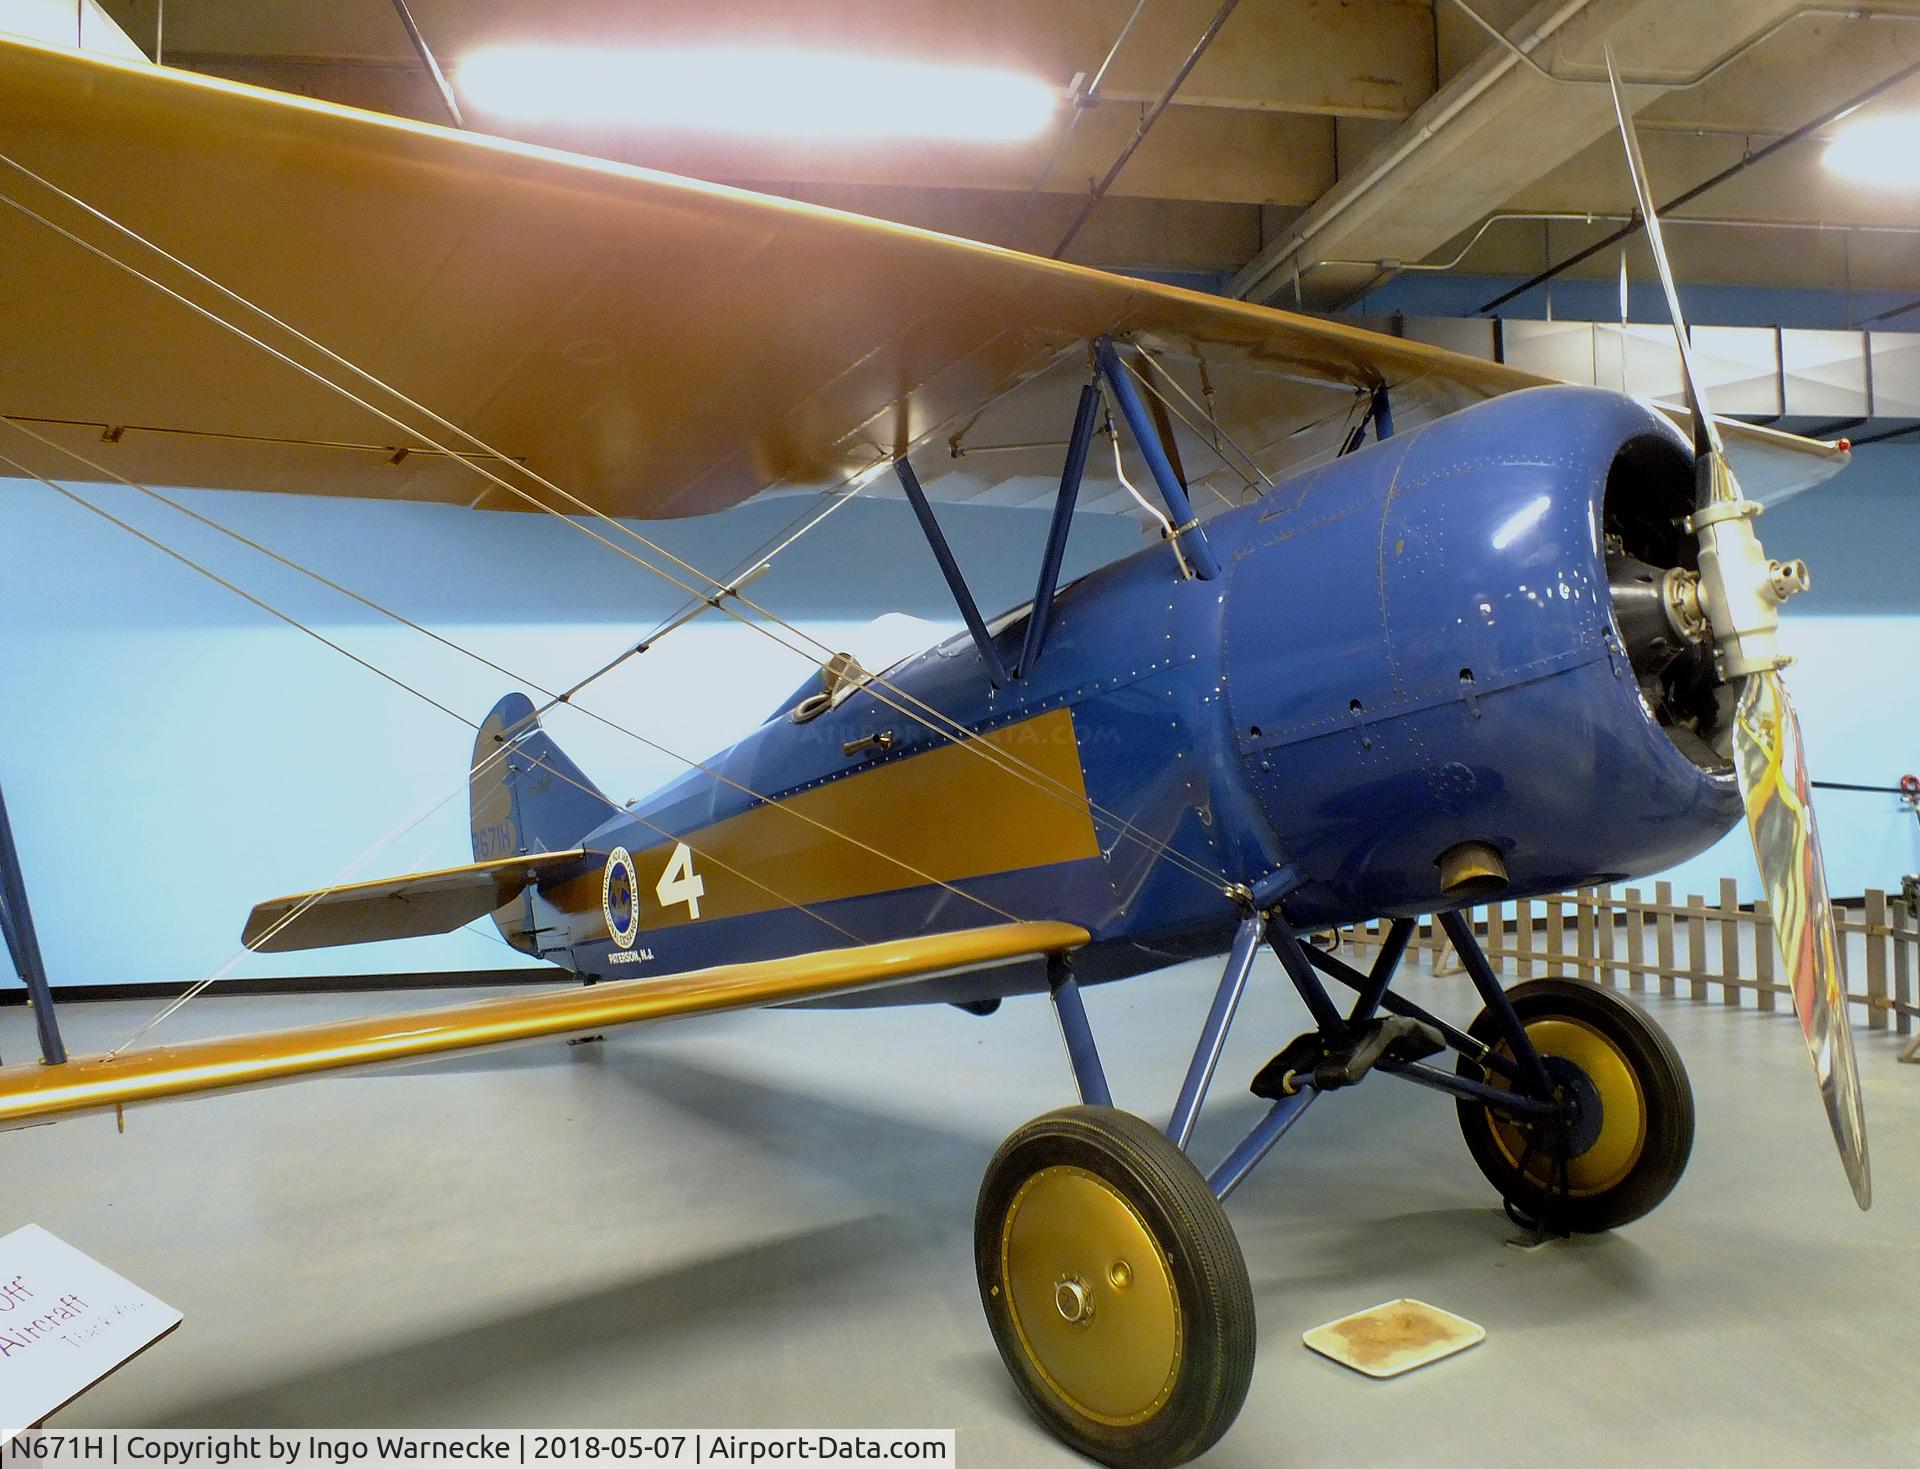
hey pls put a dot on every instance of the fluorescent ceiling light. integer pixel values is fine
(1877, 150)
(773, 91)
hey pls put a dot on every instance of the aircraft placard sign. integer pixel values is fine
(66, 1321)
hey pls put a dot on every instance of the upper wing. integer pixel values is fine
(656, 346)
(32, 1092)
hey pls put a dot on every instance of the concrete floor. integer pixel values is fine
(764, 1220)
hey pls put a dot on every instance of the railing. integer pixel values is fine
(1689, 948)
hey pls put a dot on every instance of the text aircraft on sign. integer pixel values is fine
(1419, 631)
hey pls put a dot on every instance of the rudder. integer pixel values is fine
(524, 794)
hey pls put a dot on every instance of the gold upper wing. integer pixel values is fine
(656, 346)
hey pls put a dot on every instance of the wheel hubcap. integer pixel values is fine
(1607, 1112)
(1091, 1295)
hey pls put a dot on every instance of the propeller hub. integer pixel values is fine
(1680, 600)
(1740, 588)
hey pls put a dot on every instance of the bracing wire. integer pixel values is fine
(922, 713)
(720, 595)
(747, 568)
(549, 695)
(341, 878)
(1202, 434)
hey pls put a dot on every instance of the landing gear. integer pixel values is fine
(1114, 1286)
(1111, 1279)
(1618, 1139)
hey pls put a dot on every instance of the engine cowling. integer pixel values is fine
(1445, 639)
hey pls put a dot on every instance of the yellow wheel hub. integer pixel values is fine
(1610, 1157)
(1091, 1295)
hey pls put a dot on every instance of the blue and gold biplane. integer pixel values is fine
(1450, 633)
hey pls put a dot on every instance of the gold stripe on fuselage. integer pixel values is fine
(949, 813)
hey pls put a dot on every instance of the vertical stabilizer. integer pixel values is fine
(526, 796)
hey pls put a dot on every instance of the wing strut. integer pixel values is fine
(1186, 525)
(1049, 580)
(1378, 417)
(1051, 556)
(950, 569)
(16, 920)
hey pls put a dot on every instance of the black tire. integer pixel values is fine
(1630, 1124)
(1067, 1193)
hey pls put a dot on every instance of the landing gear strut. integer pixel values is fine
(1619, 1141)
(1111, 1278)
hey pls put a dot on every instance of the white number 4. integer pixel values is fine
(680, 883)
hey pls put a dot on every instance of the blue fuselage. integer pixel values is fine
(1409, 647)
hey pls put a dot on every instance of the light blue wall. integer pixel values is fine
(171, 755)
(1856, 636)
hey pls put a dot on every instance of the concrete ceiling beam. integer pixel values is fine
(1491, 132)
(1361, 58)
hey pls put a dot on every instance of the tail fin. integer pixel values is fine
(531, 806)
(526, 796)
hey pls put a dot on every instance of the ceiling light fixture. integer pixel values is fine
(1882, 150)
(778, 92)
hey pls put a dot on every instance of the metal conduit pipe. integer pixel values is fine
(1713, 69)
(427, 60)
(1786, 140)
(1099, 190)
(1269, 261)
(1520, 52)
(1591, 216)
(1083, 102)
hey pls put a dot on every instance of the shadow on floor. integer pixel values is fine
(914, 1167)
(672, 1307)
(1374, 1259)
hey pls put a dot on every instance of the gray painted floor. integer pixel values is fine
(764, 1220)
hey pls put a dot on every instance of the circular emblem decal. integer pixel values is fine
(619, 899)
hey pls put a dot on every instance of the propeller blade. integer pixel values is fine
(1766, 734)
(1779, 805)
(1706, 437)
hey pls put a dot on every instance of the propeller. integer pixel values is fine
(1734, 599)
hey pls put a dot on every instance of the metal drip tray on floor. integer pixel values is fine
(1395, 1337)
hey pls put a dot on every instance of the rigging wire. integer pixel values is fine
(746, 569)
(549, 695)
(955, 732)
(1207, 479)
(1213, 439)
(340, 878)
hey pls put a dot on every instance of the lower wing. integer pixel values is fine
(35, 1093)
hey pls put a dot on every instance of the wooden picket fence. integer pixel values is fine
(1688, 948)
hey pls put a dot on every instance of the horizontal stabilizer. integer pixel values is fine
(32, 1092)
(399, 907)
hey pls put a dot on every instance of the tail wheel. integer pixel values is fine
(1625, 1129)
(1115, 1288)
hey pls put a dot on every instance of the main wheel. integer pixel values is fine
(1626, 1125)
(1115, 1288)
